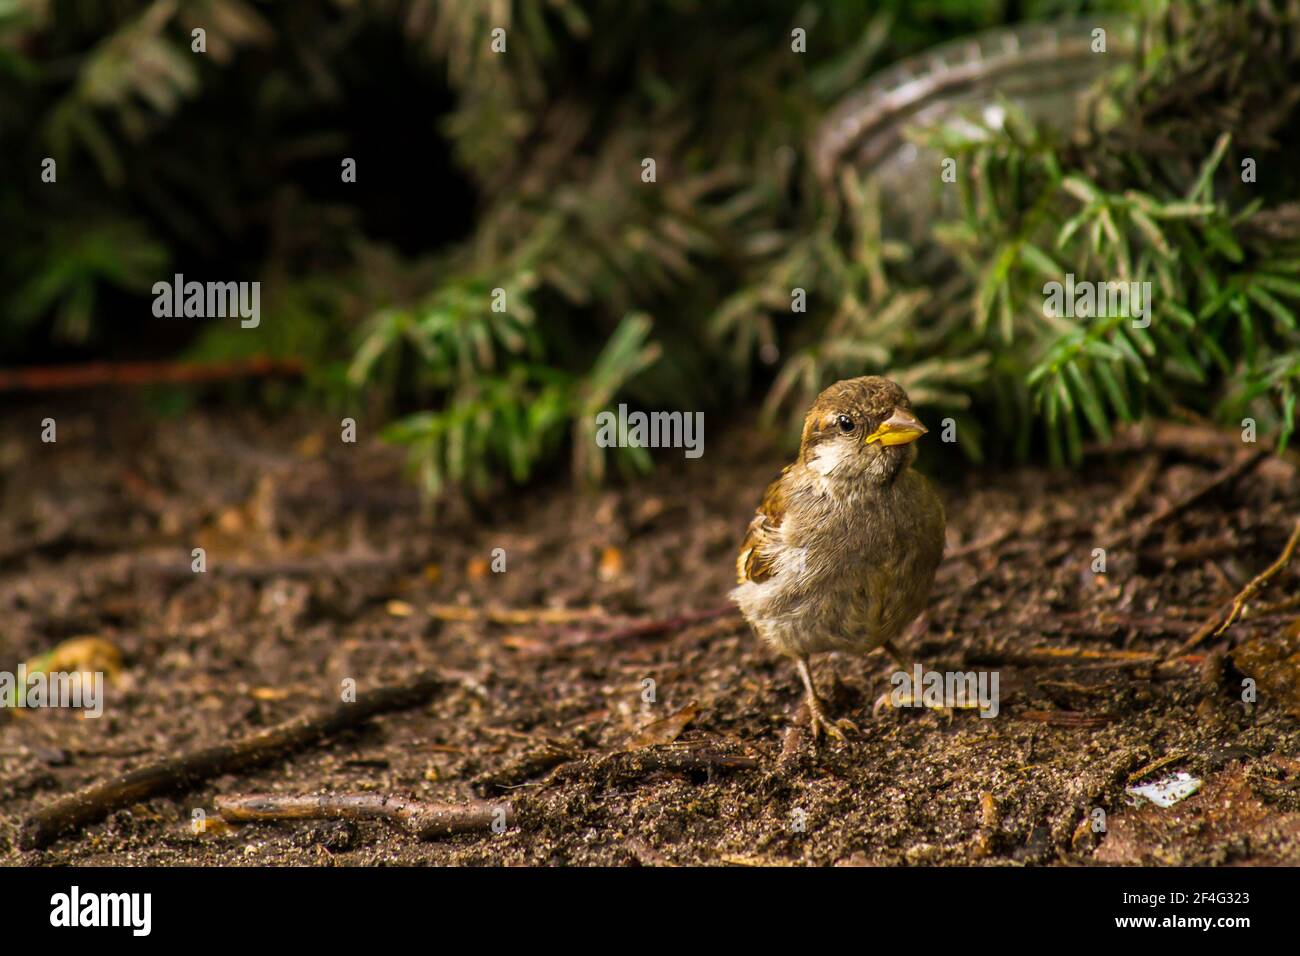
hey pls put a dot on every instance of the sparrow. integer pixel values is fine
(842, 551)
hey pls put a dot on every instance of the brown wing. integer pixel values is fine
(758, 553)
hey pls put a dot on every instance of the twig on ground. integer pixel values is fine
(624, 766)
(1105, 621)
(1143, 477)
(1277, 607)
(981, 544)
(1066, 718)
(90, 375)
(792, 741)
(1206, 629)
(1201, 549)
(427, 821)
(188, 770)
(1078, 657)
(1246, 594)
(671, 758)
(1225, 475)
(1155, 765)
(537, 761)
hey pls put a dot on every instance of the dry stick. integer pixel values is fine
(1155, 765)
(624, 764)
(1063, 655)
(190, 769)
(1066, 718)
(1225, 475)
(627, 765)
(1142, 478)
(52, 378)
(537, 761)
(427, 821)
(1277, 607)
(792, 740)
(1245, 594)
(1205, 629)
(1083, 658)
(1074, 622)
(1200, 550)
(981, 544)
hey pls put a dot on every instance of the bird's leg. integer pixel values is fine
(905, 665)
(816, 709)
(911, 699)
(902, 660)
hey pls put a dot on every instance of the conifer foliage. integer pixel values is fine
(646, 222)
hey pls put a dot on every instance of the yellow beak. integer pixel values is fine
(898, 429)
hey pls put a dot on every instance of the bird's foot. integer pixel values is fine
(835, 729)
(817, 719)
(914, 697)
(892, 699)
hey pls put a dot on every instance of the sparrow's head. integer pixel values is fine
(861, 429)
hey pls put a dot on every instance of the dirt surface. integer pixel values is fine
(322, 567)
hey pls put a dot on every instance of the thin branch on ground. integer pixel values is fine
(427, 821)
(1143, 477)
(1246, 594)
(981, 544)
(1066, 718)
(1224, 476)
(626, 765)
(188, 770)
(96, 374)
(1077, 657)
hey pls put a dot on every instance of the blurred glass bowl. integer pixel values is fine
(1042, 69)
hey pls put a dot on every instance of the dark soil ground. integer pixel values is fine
(322, 567)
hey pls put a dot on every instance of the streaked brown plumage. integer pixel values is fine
(842, 551)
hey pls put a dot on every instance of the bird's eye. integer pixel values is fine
(845, 423)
